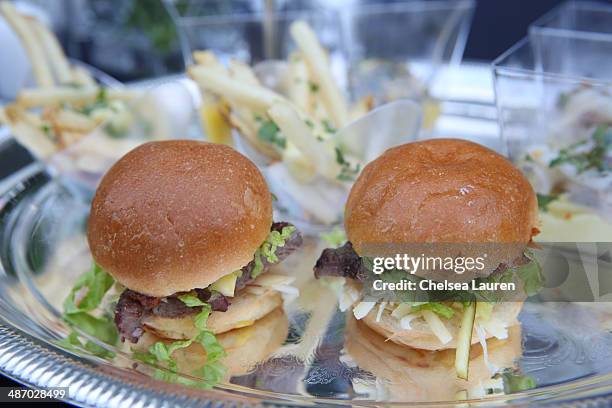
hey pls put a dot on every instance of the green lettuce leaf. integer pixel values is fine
(95, 283)
(90, 289)
(211, 373)
(335, 238)
(267, 249)
(531, 275)
(438, 308)
(72, 342)
(514, 382)
(102, 328)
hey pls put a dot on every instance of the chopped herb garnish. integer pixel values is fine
(46, 130)
(544, 200)
(309, 123)
(270, 133)
(347, 172)
(596, 158)
(328, 126)
(314, 87)
(100, 102)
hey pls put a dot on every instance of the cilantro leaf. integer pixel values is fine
(597, 158)
(269, 132)
(347, 173)
(544, 200)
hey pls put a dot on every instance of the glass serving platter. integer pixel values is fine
(325, 357)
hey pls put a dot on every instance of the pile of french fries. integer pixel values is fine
(66, 103)
(294, 123)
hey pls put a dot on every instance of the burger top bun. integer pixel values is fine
(440, 190)
(176, 215)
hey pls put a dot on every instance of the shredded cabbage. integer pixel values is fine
(381, 309)
(362, 309)
(405, 321)
(482, 339)
(437, 326)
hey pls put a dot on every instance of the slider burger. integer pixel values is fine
(186, 227)
(436, 191)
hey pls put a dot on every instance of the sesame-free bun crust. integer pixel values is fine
(176, 215)
(440, 190)
(420, 335)
(244, 310)
(245, 347)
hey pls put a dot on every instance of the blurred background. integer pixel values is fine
(133, 40)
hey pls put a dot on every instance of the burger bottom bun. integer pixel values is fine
(244, 310)
(411, 375)
(420, 335)
(245, 347)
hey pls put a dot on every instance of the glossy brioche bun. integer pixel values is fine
(245, 309)
(176, 215)
(420, 335)
(408, 374)
(245, 347)
(440, 190)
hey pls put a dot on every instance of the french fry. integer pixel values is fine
(53, 51)
(3, 117)
(35, 97)
(20, 25)
(257, 98)
(82, 77)
(31, 131)
(34, 139)
(243, 72)
(316, 59)
(297, 132)
(68, 120)
(361, 107)
(250, 133)
(207, 58)
(299, 90)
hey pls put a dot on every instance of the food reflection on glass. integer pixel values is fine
(450, 191)
(184, 246)
(409, 374)
(287, 114)
(67, 103)
(575, 161)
